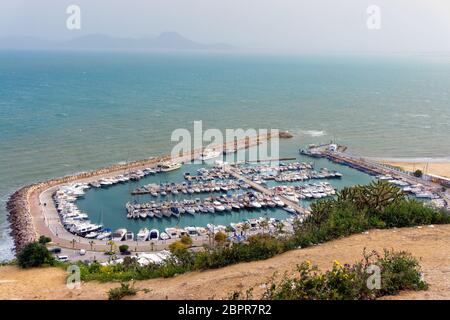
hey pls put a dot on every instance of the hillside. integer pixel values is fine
(429, 243)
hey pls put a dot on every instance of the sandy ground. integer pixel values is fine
(428, 243)
(436, 168)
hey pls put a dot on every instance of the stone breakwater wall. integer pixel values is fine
(18, 206)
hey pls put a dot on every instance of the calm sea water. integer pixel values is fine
(64, 112)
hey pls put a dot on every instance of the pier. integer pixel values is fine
(337, 154)
(260, 188)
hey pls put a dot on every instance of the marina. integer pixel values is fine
(210, 195)
(216, 197)
(231, 197)
(161, 202)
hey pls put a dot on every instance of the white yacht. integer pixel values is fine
(142, 234)
(164, 236)
(191, 231)
(119, 234)
(169, 166)
(255, 204)
(290, 209)
(218, 206)
(172, 233)
(229, 150)
(104, 235)
(208, 154)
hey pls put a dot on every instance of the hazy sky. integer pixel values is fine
(285, 25)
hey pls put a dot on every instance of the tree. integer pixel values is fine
(220, 238)
(229, 229)
(111, 244)
(177, 246)
(245, 227)
(280, 227)
(34, 254)
(123, 248)
(418, 173)
(376, 196)
(44, 239)
(186, 240)
(264, 225)
(91, 243)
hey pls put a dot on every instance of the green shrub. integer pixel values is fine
(398, 270)
(177, 246)
(44, 239)
(418, 173)
(220, 238)
(124, 290)
(123, 248)
(186, 240)
(34, 254)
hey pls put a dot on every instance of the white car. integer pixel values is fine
(82, 252)
(63, 258)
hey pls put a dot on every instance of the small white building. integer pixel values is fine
(332, 147)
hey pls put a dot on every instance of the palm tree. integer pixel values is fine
(210, 237)
(73, 243)
(91, 243)
(264, 224)
(280, 227)
(112, 244)
(245, 227)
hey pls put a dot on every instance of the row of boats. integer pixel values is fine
(214, 204)
(417, 190)
(306, 192)
(135, 175)
(73, 220)
(247, 169)
(209, 174)
(235, 231)
(164, 189)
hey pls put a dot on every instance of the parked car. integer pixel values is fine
(55, 250)
(62, 258)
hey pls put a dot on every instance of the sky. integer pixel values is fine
(272, 25)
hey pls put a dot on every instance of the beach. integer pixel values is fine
(436, 168)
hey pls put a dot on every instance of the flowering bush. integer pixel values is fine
(398, 271)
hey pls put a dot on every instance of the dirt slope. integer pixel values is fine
(430, 244)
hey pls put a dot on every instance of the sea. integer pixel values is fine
(63, 112)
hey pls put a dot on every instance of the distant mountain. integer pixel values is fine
(165, 41)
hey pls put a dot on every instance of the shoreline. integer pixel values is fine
(437, 168)
(27, 219)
